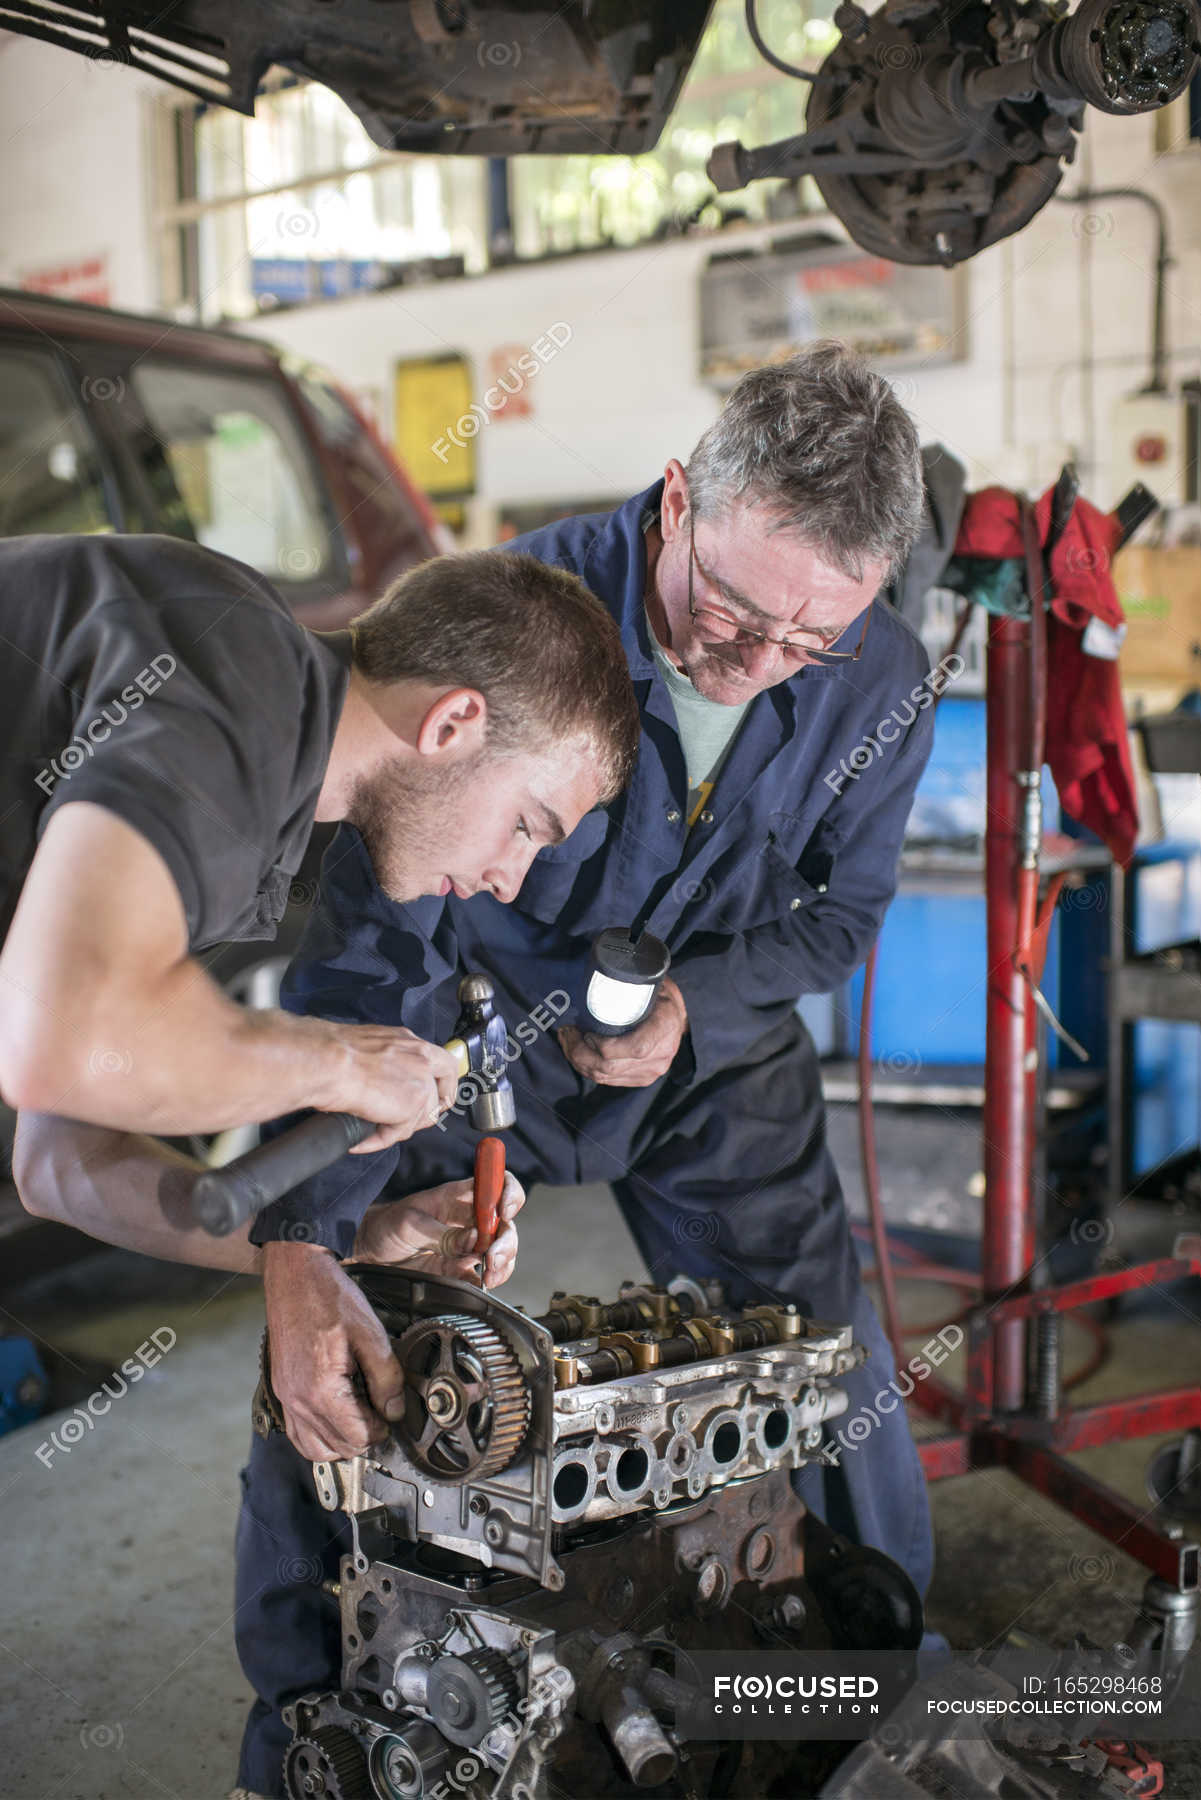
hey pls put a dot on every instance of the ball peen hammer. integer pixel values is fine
(223, 1199)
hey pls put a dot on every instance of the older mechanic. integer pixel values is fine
(743, 585)
(171, 733)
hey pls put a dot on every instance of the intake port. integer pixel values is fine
(725, 1442)
(630, 1469)
(572, 1487)
(775, 1429)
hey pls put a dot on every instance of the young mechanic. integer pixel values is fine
(172, 734)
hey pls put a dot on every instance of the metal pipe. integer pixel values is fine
(1008, 1241)
(1157, 383)
(663, 1690)
(870, 1161)
(1032, 824)
(638, 1737)
(1048, 1385)
(986, 84)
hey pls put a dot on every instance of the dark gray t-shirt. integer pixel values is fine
(172, 686)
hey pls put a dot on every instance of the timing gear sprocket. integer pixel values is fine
(466, 1401)
(329, 1765)
(469, 1695)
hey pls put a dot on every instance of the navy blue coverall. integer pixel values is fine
(721, 1167)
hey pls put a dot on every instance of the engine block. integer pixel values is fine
(569, 1504)
(517, 1426)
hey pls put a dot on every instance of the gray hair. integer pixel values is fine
(824, 445)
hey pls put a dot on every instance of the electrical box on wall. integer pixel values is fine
(1155, 441)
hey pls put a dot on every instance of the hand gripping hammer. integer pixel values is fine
(225, 1198)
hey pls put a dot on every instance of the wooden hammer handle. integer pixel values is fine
(488, 1188)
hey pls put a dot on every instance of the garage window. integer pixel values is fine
(49, 470)
(298, 204)
(241, 466)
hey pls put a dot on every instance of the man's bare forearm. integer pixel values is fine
(122, 1188)
(181, 1057)
(105, 1017)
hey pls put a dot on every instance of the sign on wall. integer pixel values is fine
(294, 281)
(80, 278)
(431, 401)
(502, 376)
(761, 307)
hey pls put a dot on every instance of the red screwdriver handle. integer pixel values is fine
(489, 1186)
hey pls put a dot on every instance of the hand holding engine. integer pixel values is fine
(332, 1368)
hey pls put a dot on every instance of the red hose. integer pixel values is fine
(871, 1166)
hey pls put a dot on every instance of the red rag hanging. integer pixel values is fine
(1087, 745)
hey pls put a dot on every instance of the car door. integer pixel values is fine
(55, 475)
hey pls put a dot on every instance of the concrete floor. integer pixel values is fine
(116, 1646)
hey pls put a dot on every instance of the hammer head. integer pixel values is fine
(483, 1035)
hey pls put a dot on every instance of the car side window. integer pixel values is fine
(381, 507)
(241, 465)
(50, 474)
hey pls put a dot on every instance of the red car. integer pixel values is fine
(114, 421)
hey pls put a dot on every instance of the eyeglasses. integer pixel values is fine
(730, 630)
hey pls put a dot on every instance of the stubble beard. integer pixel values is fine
(400, 812)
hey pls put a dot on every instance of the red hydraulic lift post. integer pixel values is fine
(993, 1424)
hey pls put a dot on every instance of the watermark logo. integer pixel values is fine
(1081, 898)
(1093, 1569)
(74, 1429)
(892, 57)
(509, 382)
(102, 388)
(890, 729)
(297, 1231)
(688, 889)
(299, 1571)
(539, 1020)
(696, 1228)
(796, 1693)
(102, 1737)
(1092, 1234)
(859, 1426)
(495, 55)
(97, 731)
(1092, 225)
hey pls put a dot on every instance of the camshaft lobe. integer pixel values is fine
(648, 1328)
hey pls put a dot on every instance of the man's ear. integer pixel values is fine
(673, 508)
(455, 724)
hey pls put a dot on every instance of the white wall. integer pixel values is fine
(74, 167)
(622, 396)
(609, 408)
